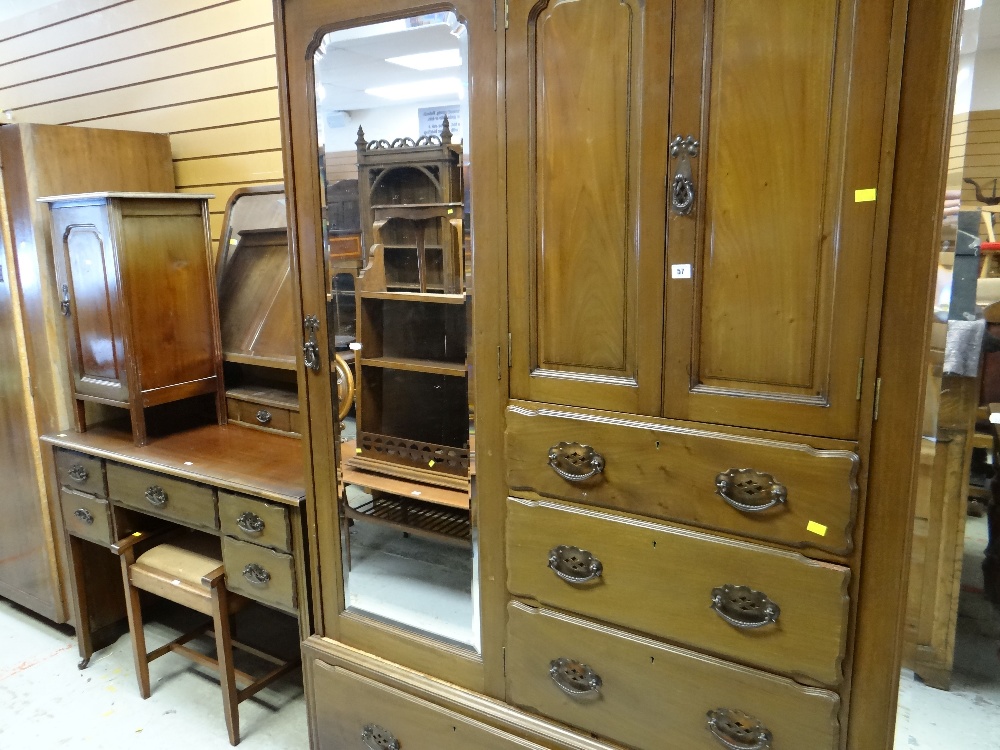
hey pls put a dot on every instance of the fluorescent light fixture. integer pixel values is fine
(418, 89)
(970, 4)
(442, 58)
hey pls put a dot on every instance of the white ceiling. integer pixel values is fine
(15, 8)
(347, 67)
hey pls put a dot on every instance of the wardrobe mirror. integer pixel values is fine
(392, 116)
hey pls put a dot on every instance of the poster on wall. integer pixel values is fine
(431, 118)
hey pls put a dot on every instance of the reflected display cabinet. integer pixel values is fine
(665, 317)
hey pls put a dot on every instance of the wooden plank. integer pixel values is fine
(64, 11)
(209, 113)
(169, 63)
(252, 75)
(243, 138)
(76, 26)
(984, 114)
(241, 168)
(211, 22)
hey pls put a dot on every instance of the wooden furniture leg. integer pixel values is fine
(134, 609)
(138, 414)
(224, 654)
(81, 610)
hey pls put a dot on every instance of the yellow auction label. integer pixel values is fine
(864, 196)
(816, 528)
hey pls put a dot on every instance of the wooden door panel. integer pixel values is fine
(586, 159)
(770, 331)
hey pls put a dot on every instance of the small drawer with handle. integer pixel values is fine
(259, 573)
(261, 414)
(255, 521)
(175, 499)
(649, 695)
(781, 491)
(86, 516)
(80, 472)
(766, 607)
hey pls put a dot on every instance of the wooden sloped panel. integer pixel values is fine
(237, 169)
(211, 113)
(176, 61)
(206, 84)
(243, 138)
(214, 21)
(222, 193)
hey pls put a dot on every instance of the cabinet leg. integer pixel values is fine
(80, 414)
(138, 424)
(81, 612)
(221, 412)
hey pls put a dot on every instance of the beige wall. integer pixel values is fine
(202, 71)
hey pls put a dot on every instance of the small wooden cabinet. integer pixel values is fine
(136, 290)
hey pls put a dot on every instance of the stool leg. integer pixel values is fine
(227, 675)
(133, 609)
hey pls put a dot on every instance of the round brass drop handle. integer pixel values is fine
(250, 523)
(744, 608)
(379, 738)
(156, 496)
(84, 515)
(574, 565)
(256, 574)
(575, 678)
(78, 473)
(575, 462)
(737, 730)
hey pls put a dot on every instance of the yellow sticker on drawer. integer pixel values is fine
(816, 528)
(864, 196)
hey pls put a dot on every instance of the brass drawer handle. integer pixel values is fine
(575, 678)
(575, 462)
(78, 473)
(84, 515)
(737, 730)
(256, 574)
(250, 523)
(378, 738)
(744, 608)
(155, 495)
(749, 490)
(574, 564)
(263, 416)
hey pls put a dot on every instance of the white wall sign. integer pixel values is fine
(432, 117)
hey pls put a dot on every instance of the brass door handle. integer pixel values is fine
(682, 191)
(64, 303)
(78, 473)
(84, 515)
(250, 523)
(310, 349)
(575, 462)
(738, 731)
(744, 608)
(574, 564)
(256, 574)
(749, 490)
(378, 738)
(156, 496)
(575, 678)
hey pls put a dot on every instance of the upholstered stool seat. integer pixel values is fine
(188, 570)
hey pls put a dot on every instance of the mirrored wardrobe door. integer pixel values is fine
(387, 245)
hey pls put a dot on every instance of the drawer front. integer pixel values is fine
(649, 691)
(691, 586)
(86, 516)
(80, 472)
(259, 415)
(784, 492)
(259, 573)
(350, 709)
(255, 521)
(186, 502)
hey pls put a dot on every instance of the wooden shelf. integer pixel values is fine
(446, 525)
(260, 394)
(407, 488)
(444, 299)
(431, 366)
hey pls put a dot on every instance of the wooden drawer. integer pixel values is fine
(159, 495)
(255, 521)
(86, 516)
(650, 691)
(260, 573)
(657, 468)
(662, 580)
(80, 472)
(263, 408)
(347, 704)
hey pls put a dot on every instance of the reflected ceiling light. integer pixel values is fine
(442, 58)
(970, 4)
(418, 89)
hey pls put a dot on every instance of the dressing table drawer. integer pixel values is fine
(638, 691)
(80, 472)
(773, 609)
(785, 492)
(86, 516)
(255, 521)
(260, 573)
(174, 499)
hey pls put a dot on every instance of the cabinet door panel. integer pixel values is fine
(586, 159)
(87, 276)
(770, 333)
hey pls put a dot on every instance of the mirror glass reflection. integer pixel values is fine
(392, 115)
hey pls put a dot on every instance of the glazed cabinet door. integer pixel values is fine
(87, 277)
(586, 161)
(777, 110)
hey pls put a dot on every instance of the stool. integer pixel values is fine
(188, 571)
